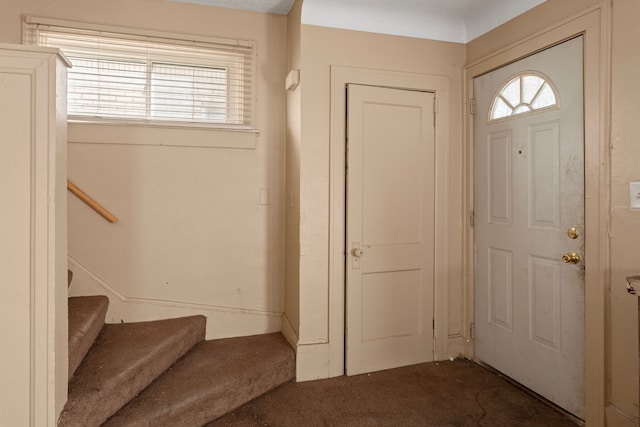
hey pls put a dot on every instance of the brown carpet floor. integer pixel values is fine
(458, 393)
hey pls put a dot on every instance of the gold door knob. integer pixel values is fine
(573, 233)
(571, 258)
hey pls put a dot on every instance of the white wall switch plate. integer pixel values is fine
(264, 197)
(634, 195)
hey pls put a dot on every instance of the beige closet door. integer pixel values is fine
(529, 210)
(390, 228)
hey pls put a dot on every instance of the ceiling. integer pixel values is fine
(448, 20)
(270, 6)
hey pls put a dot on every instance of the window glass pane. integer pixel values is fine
(530, 86)
(106, 88)
(522, 108)
(500, 109)
(183, 92)
(523, 94)
(511, 93)
(545, 97)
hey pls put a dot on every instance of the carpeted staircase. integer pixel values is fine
(163, 373)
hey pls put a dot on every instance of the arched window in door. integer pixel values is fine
(525, 93)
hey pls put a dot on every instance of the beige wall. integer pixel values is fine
(192, 231)
(322, 48)
(193, 236)
(525, 25)
(625, 223)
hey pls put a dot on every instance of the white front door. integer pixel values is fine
(390, 228)
(529, 223)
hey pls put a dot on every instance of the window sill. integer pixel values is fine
(160, 135)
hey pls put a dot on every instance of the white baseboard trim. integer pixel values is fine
(616, 417)
(313, 362)
(222, 322)
(288, 332)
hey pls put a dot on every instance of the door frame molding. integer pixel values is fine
(592, 25)
(439, 85)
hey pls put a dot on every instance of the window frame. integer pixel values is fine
(240, 97)
(498, 95)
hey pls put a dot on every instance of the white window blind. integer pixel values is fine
(118, 76)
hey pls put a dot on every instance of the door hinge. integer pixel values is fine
(472, 106)
(433, 331)
(472, 218)
(346, 156)
(472, 330)
(435, 110)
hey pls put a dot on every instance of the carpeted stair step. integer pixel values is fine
(86, 318)
(124, 359)
(211, 380)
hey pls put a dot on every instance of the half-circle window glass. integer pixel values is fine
(523, 94)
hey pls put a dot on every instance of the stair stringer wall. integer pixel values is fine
(225, 322)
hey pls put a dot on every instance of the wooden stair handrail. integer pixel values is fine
(92, 203)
